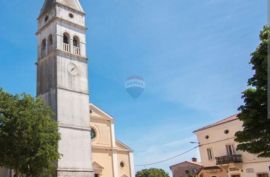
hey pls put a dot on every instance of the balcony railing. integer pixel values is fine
(76, 50)
(229, 159)
(66, 47)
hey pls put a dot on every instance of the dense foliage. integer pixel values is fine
(28, 136)
(152, 172)
(255, 137)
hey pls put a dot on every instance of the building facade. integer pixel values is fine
(219, 155)
(186, 168)
(62, 81)
(111, 158)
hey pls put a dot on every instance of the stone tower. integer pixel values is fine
(62, 81)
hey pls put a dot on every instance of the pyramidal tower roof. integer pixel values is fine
(73, 4)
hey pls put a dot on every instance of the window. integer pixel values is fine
(230, 150)
(210, 154)
(70, 15)
(226, 131)
(194, 170)
(50, 39)
(96, 175)
(93, 133)
(46, 18)
(122, 164)
(207, 137)
(66, 46)
(43, 47)
(76, 45)
(66, 38)
(76, 41)
(262, 175)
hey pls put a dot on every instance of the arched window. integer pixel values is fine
(66, 46)
(43, 47)
(50, 39)
(66, 38)
(76, 45)
(76, 41)
(50, 43)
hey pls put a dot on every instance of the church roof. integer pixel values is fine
(49, 4)
(121, 145)
(98, 112)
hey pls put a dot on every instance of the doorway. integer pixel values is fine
(97, 175)
(235, 176)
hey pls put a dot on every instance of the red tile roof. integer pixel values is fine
(228, 119)
(197, 164)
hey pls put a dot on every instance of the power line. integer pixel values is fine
(170, 158)
(178, 155)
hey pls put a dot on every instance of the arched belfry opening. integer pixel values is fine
(76, 45)
(50, 42)
(66, 42)
(43, 48)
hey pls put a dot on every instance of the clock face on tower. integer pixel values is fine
(73, 69)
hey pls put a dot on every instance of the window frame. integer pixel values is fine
(66, 36)
(230, 150)
(210, 153)
(50, 40)
(262, 173)
(76, 41)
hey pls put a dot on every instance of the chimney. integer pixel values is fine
(194, 159)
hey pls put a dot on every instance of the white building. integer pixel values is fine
(62, 81)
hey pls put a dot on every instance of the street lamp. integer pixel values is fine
(194, 142)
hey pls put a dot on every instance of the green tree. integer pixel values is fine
(28, 136)
(255, 137)
(152, 172)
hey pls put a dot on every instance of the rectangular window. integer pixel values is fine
(230, 150)
(262, 175)
(210, 154)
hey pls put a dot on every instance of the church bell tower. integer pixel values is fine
(62, 81)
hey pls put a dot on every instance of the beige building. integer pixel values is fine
(220, 157)
(111, 158)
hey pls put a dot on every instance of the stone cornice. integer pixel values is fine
(83, 28)
(62, 125)
(71, 56)
(58, 52)
(74, 170)
(109, 148)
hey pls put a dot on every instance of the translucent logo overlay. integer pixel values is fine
(135, 86)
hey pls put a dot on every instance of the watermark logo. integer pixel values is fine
(135, 86)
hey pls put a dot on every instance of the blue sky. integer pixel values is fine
(192, 54)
